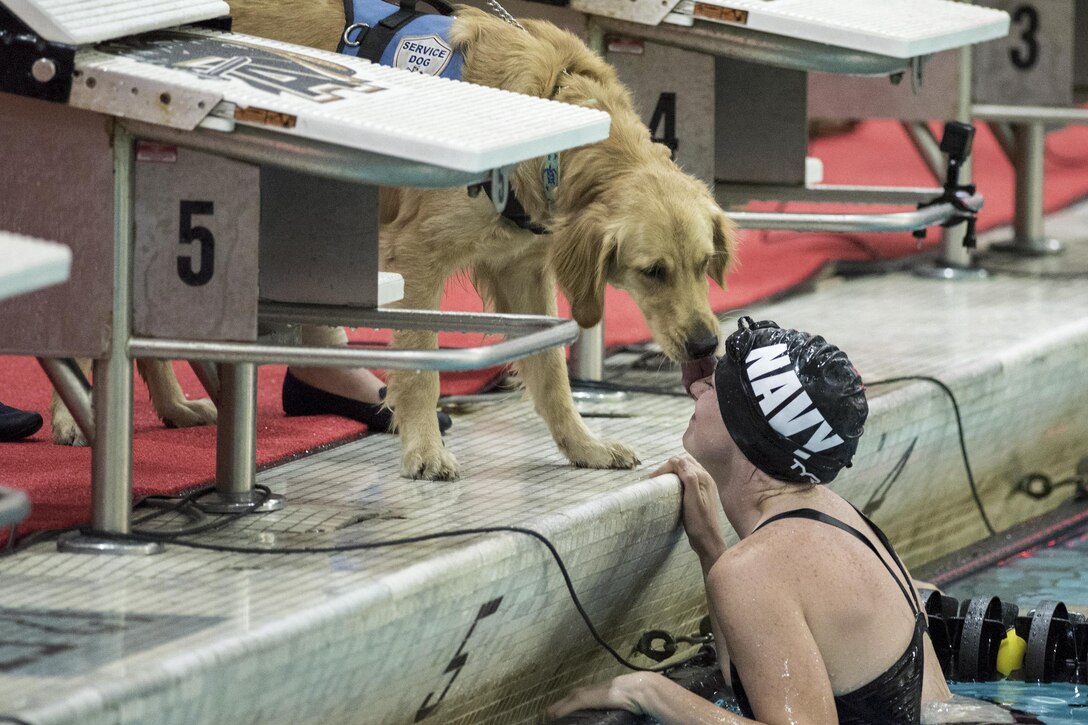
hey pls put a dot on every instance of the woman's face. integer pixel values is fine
(706, 437)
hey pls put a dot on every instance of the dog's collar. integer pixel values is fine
(549, 176)
(514, 212)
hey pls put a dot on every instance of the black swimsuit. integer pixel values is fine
(894, 696)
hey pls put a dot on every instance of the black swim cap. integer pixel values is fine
(793, 404)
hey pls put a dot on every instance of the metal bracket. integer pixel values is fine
(500, 188)
(32, 66)
(956, 142)
(917, 69)
(497, 188)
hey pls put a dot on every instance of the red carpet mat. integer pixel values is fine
(167, 461)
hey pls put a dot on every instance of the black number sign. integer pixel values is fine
(202, 273)
(665, 113)
(1026, 57)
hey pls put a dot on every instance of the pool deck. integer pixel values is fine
(481, 629)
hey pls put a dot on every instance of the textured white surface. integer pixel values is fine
(645, 12)
(27, 264)
(390, 288)
(897, 28)
(200, 637)
(332, 98)
(117, 87)
(78, 22)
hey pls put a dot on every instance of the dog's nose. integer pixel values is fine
(701, 345)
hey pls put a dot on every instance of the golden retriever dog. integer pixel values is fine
(167, 399)
(623, 214)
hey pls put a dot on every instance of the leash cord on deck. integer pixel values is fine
(959, 430)
(340, 548)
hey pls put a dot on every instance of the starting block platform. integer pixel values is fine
(239, 119)
(188, 77)
(28, 264)
(481, 629)
(91, 21)
(884, 27)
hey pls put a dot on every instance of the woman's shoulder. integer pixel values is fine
(786, 545)
(756, 553)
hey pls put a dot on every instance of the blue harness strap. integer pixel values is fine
(401, 36)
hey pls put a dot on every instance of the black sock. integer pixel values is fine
(301, 398)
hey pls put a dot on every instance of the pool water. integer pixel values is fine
(1054, 704)
(1054, 570)
(1058, 703)
(1057, 570)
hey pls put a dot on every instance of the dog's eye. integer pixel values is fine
(655, 272)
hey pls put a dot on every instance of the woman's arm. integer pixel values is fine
(699, 515)
(647, 693)
(770, 642)
(699, 508)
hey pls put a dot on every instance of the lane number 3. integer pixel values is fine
(1026, 17)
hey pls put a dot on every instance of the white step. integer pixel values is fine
(78, 22)
(28, 264)
(896, 28)
(326, 97)
(390, 288)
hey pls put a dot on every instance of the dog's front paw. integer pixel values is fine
(66, 432)
(434, 463)
(189, 413)
(602, 454)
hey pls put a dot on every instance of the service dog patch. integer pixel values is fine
(401, 38)
(427, 54)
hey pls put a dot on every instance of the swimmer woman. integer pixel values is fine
(816, 619)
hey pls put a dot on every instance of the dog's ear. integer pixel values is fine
(582, 251)
(725, 246)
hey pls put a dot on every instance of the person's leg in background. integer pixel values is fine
(354, 393)
(17, 424)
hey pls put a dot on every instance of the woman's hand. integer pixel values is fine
(700, 508)
(620, 693)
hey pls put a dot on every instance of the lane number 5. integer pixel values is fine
(201, 272)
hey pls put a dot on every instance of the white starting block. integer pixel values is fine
(896, 28)
(267, 110)
(91, 21)
(253, 143)
(30, 264)
(218, 80)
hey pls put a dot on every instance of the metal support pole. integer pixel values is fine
(955, 261)
(928, 147)
(587, 354)
(208, 376)
(236, 446)
(1029, 238)
(111, 453)
(1005, 139)
(72, 387)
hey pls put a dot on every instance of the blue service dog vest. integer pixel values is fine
(401, 37)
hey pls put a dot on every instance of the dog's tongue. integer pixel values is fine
(697, 369)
